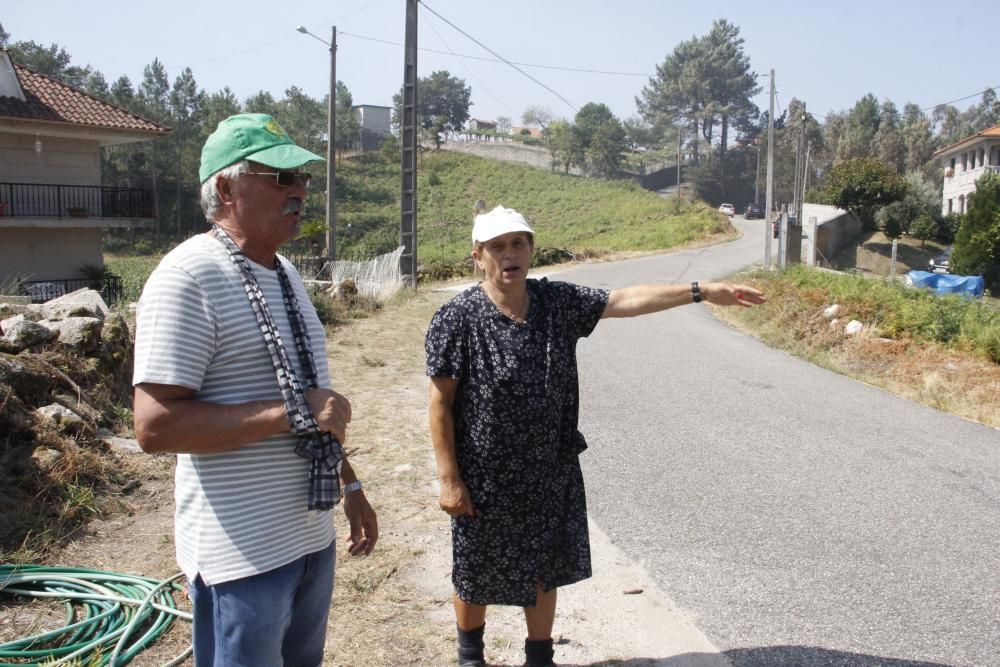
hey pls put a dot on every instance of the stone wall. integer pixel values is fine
(507, 151)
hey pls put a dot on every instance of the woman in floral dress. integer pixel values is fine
(504, 406)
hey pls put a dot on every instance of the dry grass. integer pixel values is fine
(951, 379)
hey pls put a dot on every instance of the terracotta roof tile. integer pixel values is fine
(988, 132)
(50, 100)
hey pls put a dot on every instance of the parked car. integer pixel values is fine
(753, 211)
(941, 263)
(728, 209)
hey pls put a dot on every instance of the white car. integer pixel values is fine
(728, 209)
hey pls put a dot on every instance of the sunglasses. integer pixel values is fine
(286, 178)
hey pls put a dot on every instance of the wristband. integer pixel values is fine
(695, 292)
(350, 488)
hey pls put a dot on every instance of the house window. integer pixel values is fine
(961, 204)
(982, 156)
(949, 207)
(965, 161)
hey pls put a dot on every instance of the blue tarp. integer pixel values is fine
(946, 283)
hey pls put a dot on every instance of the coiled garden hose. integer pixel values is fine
(105, 613)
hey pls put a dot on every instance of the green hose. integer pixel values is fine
(104, 612)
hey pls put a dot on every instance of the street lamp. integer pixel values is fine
(331, 127)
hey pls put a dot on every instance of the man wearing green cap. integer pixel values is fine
(231, 375)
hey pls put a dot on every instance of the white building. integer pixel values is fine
(965, 162)
(373, 125)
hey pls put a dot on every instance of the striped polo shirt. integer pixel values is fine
(245, 511)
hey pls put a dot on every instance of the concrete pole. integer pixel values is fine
(331, 153)
(769, 193)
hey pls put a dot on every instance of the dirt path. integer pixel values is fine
(394, 608)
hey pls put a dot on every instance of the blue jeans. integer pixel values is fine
(273, 619)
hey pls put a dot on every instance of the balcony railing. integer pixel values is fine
(34, 200)
(40, 291)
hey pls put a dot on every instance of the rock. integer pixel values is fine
(80, 333)
(832, 311)
(83, 302)
(130, 445)
(62, 416)
(24, 334)
(853, 328)
(345, 291)
(46, 458)
(10, 321)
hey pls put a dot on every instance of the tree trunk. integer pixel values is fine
(722, 156)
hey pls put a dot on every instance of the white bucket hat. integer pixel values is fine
(497, 222)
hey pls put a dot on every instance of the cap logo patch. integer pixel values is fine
(275, 129)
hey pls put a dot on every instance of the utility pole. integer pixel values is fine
(769, 194)
(800, 174)
(331, 154)
(794, 210)
(331, 134)
(678, 162)
(408, 137)
(805, 177)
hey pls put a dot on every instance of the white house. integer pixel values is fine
(965, 162)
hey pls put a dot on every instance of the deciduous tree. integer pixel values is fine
(863, 186)
(442, 103)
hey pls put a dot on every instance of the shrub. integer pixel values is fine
(977, 244)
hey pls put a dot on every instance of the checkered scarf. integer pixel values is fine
(320, 447)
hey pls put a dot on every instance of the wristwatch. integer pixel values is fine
(350, 488)
(695, 292)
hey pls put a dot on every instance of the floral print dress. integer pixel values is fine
(516, 439)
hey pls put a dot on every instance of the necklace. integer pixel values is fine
(518, 315)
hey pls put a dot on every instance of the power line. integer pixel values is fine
(279, 41)
(959, 99)
(560, 68)
(486, 48)
(501, 102)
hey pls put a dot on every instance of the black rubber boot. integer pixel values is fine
(538, 653)
(470, 647)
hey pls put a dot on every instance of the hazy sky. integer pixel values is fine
(828, 54)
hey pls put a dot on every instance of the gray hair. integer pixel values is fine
(210, 203)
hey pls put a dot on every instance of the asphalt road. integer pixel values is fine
(800, 517)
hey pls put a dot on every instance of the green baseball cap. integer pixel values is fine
(251, 136)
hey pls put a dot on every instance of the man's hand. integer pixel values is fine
(726, 294)
(332, 411)
(363, 522)
(455, 499)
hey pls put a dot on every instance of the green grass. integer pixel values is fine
(568, 212)
(796, 295)
(134, 270)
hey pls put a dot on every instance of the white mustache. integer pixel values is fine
(293, 205)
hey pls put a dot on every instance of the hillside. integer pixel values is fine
(568, 212)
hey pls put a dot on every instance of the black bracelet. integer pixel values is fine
(695, 292)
